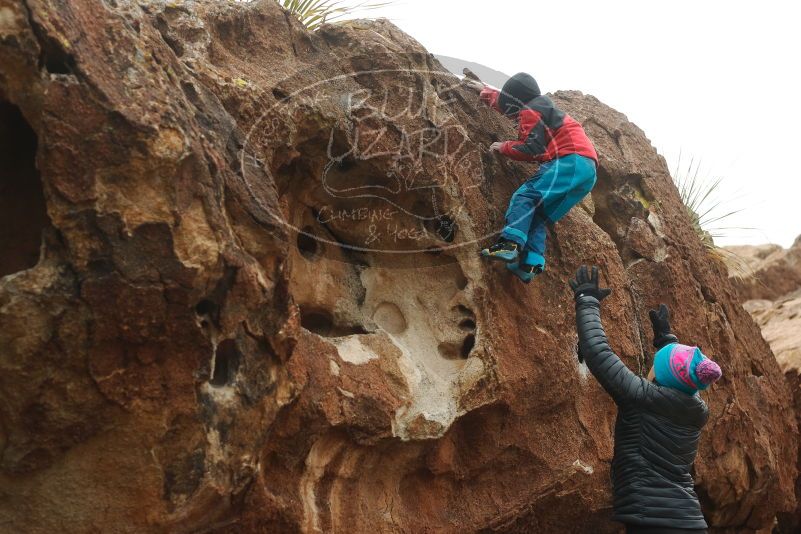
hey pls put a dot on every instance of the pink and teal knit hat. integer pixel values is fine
(685, 368)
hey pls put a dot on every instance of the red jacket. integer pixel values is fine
(545, 131)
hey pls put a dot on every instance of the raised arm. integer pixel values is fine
(617, 379)
(532, 140)
(660, 321)
(489, 95)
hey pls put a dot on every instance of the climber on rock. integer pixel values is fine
(659, 419)
(567, 171)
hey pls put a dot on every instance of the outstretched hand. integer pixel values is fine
(660, 321)
(586, 283)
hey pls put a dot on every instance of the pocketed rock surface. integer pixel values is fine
(245, 293)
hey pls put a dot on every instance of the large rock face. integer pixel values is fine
(258, 306)
(770, 289)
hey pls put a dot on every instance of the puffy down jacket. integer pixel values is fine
(656, 435)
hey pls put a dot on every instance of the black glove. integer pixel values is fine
(660, 321)
(587, 284)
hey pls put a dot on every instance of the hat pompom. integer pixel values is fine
(708, 372)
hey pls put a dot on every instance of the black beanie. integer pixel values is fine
(518, 91)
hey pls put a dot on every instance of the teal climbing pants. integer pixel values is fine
(545, 198)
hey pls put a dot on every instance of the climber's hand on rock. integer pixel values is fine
(496, 146)
(660, 321)
(586, 283)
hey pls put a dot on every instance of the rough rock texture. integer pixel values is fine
(258, 307)
(771, 291)
(771, 271)
(780, 321)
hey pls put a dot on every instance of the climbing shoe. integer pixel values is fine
(526, 273)
(503, 250)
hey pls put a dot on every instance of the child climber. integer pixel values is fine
(566, 174)
(659, 419)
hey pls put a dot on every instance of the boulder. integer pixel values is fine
(768, 279)
(765, 272)
(257, 305)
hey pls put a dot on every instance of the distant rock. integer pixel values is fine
(768, 271)
(780, 321)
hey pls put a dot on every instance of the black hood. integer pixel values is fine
(518, 91)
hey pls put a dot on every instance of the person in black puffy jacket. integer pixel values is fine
(659, 419)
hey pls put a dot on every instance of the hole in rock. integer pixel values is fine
(289, 169)
(318, 322)
(322, 323)
(164, 29)
(101, 266)
(308, 245)
(455, 351)
(449, 351)
(23, 213)
(174, 44)
(346, 164)
(191, 92)
(441, 226)
(206, 307)
(446, 229)
(461, 281)
(464, 310)
(279, 94)
(468, 325)
(434, 222)
(208, 312)
(616, 202)
(467, 346)
(226, 361)
(53, 57)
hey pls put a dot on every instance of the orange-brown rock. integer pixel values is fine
(768, 278)
(766, 272)
(258, 305)
(780, 321)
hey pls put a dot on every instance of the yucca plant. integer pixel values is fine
(313, 13)
(704, 205)
(701, 198)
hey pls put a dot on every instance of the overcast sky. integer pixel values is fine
(718, 81)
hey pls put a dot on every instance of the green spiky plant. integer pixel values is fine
(314, 13)
(702, 200)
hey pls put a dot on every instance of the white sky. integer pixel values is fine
(717, 80)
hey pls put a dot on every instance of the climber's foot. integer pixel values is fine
(503, 250)
(526, 273)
